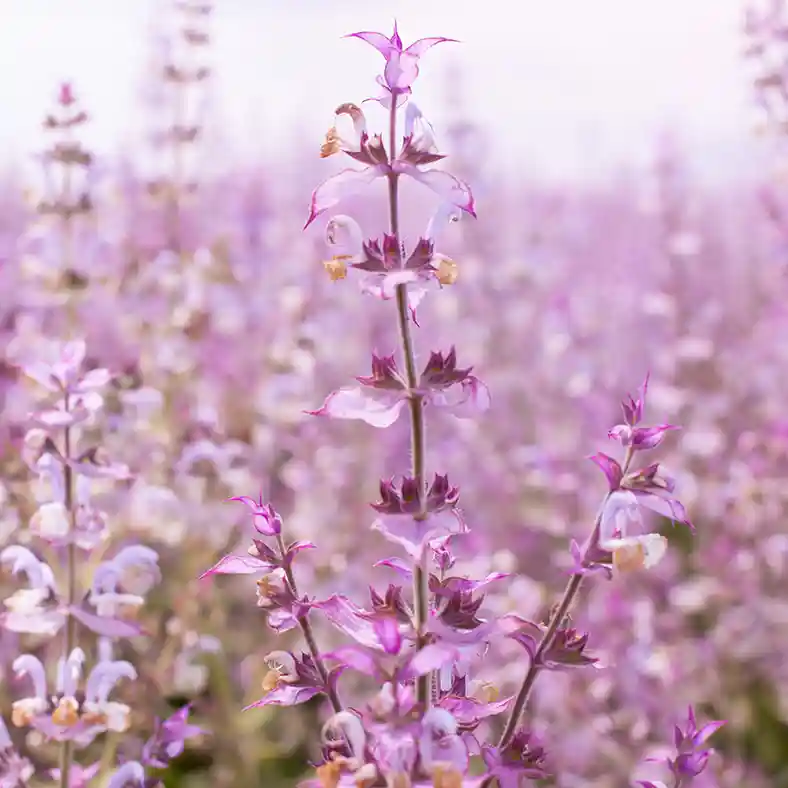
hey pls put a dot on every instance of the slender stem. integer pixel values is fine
(309, 636)
(417, 426)
(559, 615)
(67, 750)
(67, 753)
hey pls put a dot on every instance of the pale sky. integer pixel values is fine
(567, 87)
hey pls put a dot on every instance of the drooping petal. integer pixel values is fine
(359, 658)
(104, 625)
(415, 535)
(350, 619)
(338, 187)
(380, 411)
(444, 184)
(238, 565)
(428, 659)
(464, 401)
(286, 695)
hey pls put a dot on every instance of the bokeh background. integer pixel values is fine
(630, 191)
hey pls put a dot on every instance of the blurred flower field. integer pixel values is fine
(221, 328)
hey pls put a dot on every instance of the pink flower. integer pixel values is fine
(441, 384)
(385, 266)
(402, 65)
(418, 150)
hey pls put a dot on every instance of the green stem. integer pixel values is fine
(309, 636)
(417, 425)
(560, 613)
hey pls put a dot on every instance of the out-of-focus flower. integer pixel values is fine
(523, 758)
(169, 737)
(15, 770)
(65, 716)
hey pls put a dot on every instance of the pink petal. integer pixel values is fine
(418, 48)
(286, 695)
(355, 657)
(402, 69)
(398, 565)
(610, 468)
(415, 535)
(95, 379)
(355, 403)
(378, 40)
(350, 619)
(430, 658)
(238, 565)
(338, 187)
(103, 625)
(444, 184)
(282, 621)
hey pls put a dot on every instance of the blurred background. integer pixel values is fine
(630, 177)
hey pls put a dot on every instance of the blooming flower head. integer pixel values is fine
(383, 394)
(621, 533)
(418, 151)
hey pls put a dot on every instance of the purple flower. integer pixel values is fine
(292, 680)
(522, 758)
(418, 150)
(629, 434)
(385, 265)
(401, 520)
(692, 756)
(402, 65)
(266, 519)
(168, 739)
(382, 396)
(651, 486)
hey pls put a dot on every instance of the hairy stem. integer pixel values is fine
(416, 407)
(560, 613)
(309, 635)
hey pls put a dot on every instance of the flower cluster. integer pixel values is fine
(428, 722)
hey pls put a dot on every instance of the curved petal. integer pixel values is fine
(338, 187)
(381, 42)
(105, 626)
(286, 695)
(444, 184)
(238, 565)
(355, 403)
(359, 658)
(418, 48)
(432, 657)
